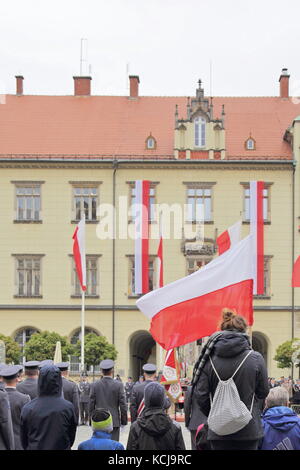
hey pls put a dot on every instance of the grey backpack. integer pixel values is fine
(228, 414)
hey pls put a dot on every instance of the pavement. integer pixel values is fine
(85, 432)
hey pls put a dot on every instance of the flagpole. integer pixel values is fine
(82, 328)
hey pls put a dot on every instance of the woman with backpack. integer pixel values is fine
(230, 383)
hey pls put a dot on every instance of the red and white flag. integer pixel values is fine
(229, 238)
(190, 308)
(257, 231)
(141, 255)
(160, 266)
(171, 377)
(296, 273)
(79, 253)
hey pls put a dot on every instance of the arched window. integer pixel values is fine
(77, 334)
(22, 336)
(250, 144)
(150, 143)
(200, 132)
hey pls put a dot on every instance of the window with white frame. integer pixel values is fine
(199, 201)
(85, 201)
(92, 282)
(28, 202)
(22, 337)
(200, 132)
(132, 201)
(266, 202)
(131, 290)
(150, 143)
(28, 275)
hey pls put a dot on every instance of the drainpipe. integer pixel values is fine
(115, 167)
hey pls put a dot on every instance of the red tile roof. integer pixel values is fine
(118, 126)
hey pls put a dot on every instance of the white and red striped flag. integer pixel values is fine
(229, 238)
(160, 265)
(141, 254)
(170, 376)
(257, 231)
(190, 308)
(79, 253)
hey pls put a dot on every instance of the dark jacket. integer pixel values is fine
(281, 429)
(100, 441)
(29, 386)
(109, 394)
(71, 393)
(155, 430)
(193, 416)
(48, 422)
(6, 428)
(17, 400)
(137, 396)
(252, 378)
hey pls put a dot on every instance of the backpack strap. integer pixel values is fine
(242, 363)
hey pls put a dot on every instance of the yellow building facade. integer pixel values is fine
(43, 196)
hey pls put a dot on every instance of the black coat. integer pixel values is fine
(17, 400)
(252, 378)
(6, 429)
(192, 414)
(29, 387)
(48, 422)
(137, 396)
(155, 430)
(71, 393)
(109, 394)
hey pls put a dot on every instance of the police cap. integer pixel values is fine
(149, 368)
(10, 372)
(32, 364)
(62, 365)
(107, 364)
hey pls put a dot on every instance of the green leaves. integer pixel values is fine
(42, 345)
(96, 348)
(12, 350)
(287, 352)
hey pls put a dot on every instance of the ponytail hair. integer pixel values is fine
(232, 321)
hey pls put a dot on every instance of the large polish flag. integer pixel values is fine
(160, 265)
(229, 238)
(296, 273)
(79, 253)
(257, 231)
(141, 254)
(190, 308)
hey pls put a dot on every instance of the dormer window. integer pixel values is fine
(200, 128)
(150, 143)
(250, 144)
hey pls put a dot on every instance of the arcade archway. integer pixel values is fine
(260, 344)
(142, 349)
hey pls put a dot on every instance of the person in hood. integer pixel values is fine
(281, 424)
(228, 351)
(154, 429)
(102, 425)
(48, 422)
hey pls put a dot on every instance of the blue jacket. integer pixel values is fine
(281, 429)
(100, 441)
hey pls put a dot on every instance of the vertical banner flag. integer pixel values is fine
(160, 267)
(79, 253)
(257, 232)
(141, 255)
(229, 238)
(171, 377)
(296, 273)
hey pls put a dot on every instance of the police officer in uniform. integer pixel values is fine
(1, 381)
(84, 391)
(16, 399)
(137, 397)
(109, 394)
(70, 388)
(29, 386)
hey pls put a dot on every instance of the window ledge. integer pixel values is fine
(16, 221)
(262, 297)
(247, 222)
(28, 296)
(137, 296)
(86, 221)
(206, 222)
(130, 221)
(86, 296)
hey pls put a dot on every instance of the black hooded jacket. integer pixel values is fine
(155, 430)
(48, 422)
(251, 379)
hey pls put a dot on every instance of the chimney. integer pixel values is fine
(134, 86)
(284, 83)
(19, 85)
(82, 86)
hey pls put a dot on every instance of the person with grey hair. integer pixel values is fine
(280, 423)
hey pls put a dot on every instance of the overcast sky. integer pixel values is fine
(170, 44)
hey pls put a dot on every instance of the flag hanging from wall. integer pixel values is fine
(229, 238)
(296, 273)
(79, 253)
(190, 308)
(160, 265)
(257, 232)
(141, 254)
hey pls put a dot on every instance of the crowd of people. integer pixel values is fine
(230, 403)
